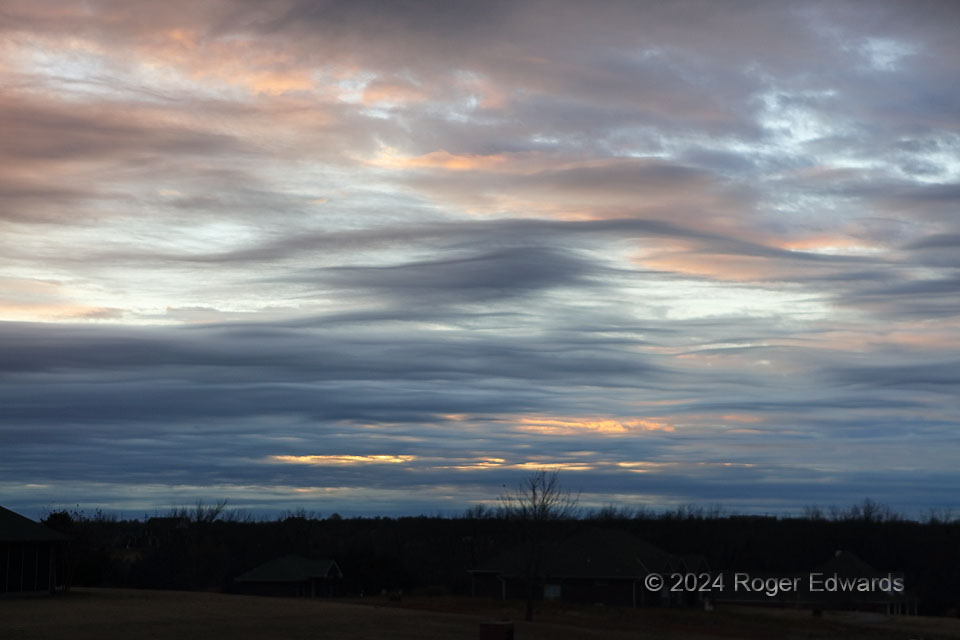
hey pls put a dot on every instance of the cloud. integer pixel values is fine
(503, 274)
(683, 251)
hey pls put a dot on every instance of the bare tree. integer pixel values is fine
(201, 513)
(539, 498)
(537, 501)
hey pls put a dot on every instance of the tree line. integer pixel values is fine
(208, 545)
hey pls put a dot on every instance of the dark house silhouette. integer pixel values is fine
(842, 583)
(31, 556)
(597, 565)
(849, 568)
(292, 576)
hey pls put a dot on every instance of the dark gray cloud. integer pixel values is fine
(943, 376)
(425, 247)
(501, 274)
(209, 404)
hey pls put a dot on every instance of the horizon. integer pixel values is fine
(389, 258)
(866, 509)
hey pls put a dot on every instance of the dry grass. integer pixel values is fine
(117, 614)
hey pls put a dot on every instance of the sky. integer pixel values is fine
(388, 258)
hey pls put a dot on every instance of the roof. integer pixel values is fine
(607, 553)
(292, 569)
(848, 565)
(694, 562)
(594, 553)
(17, 528)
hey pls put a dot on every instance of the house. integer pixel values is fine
(292, 576)
(597, 565)
(31, 556)
(843, 582)
(847, 582)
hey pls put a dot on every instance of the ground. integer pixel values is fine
(107, 614)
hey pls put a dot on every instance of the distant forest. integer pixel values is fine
(205, 547)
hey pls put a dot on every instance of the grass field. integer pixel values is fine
(118, 614)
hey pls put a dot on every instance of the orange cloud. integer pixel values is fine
(32, 300)
(478, 464)
(54, 312)
(559, 466)
(569, 187)
(741, 417)
(828, 244)
(391, 159)
(232, 62)
(646, 466)
(721, 267)
(568, 426)
(684, 259)
(274, 83)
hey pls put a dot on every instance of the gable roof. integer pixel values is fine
(849, 565)
(292, 569)
(594, 553)
(17, 528)
(608, 553)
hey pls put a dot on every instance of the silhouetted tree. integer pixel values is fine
(538, 501)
